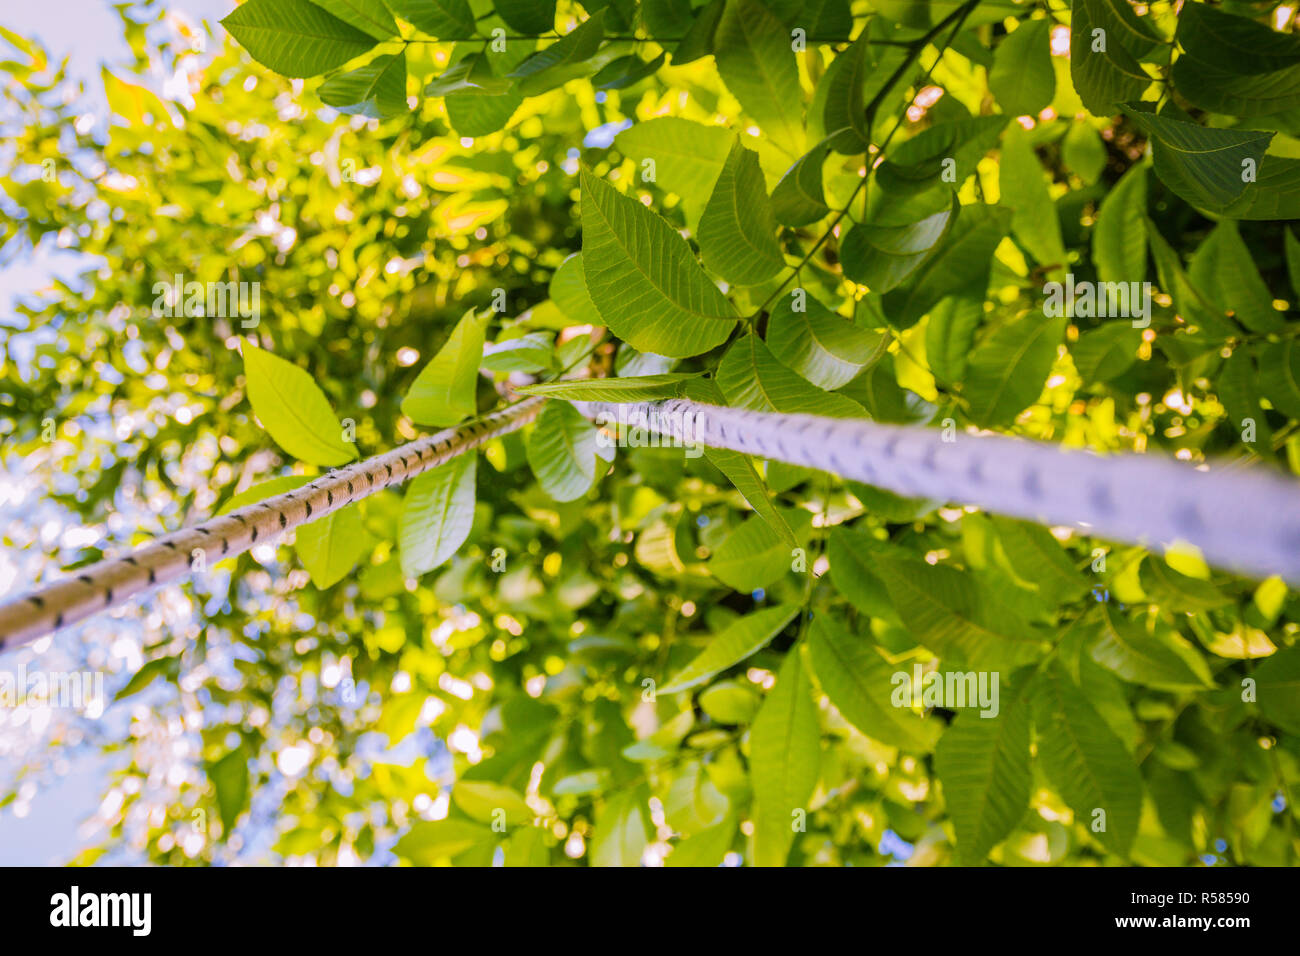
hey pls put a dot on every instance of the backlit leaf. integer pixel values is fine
(643, 279)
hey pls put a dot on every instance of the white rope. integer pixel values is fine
(1246, 520)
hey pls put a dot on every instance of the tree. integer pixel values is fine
(917, 213)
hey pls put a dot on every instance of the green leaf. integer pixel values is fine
(1084, 152)
(852, 574)
(1279, 376)
(568, 289)
(1133, 32)
(961, 265)
(1105, 73)
(983, 764)
(936, 161)
(753, 556)
(729, 702)
(687, 157)
(1037, 557)
(295, 38)
(1237, 388)
(1224, 270)
(1107, 352)
(562, 452)
(823, 347)
(876, 388)
(527, 16)
(431, 841)
(1202, 165)
(1149, 654)
(1277, 682)
(640, 388)
(950, 333)
(488, 802)
(950, 613)
(443, 393)
(799, 198)
(1225, 91)
(625, 71)
(1188, 300)
(1022, 78)
(1119, 239)
(438, 18)
(1274, 195)
(740, 471)
(330, 547)
(621, 832)
(858, 682)
(473, 115)
(479, 112)
(377, 90)
(368, 16)
(738, 641)
(757, 63)
(437, 514)
(844, 106)
(1085, 761)
(751, 377)
(1007, 371)
(1178, 590)
(737, 233)
(882, 257)
(531, 352)
(472, 76)
(697, 39)
(1213, 36)
(1035, 224)
(527, 847)
(1232, 64)
(564, 60)
(229, 777)
(663, 19)
(643, 278)
(165, 667)
(707, 847)
(1292, 259)
(784, 760)
(294, 411)
(825, 19)
(694, 803)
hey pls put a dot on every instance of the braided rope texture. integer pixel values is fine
(171, 557)
(1245, 520)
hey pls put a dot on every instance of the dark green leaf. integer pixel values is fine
(294, 37)
(1007, 371)
(1086, 762)
(983, 764)
(859, 683)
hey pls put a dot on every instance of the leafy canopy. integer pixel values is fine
(618, 655)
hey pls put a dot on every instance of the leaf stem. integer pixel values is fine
(956, 19)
